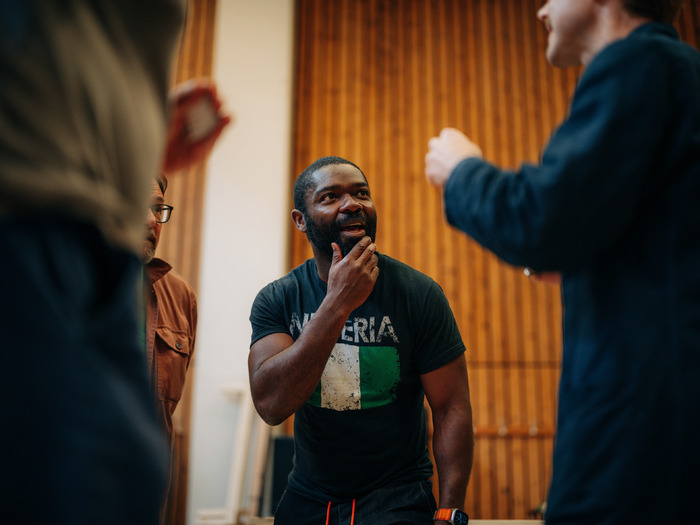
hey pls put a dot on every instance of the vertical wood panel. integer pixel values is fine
(376, 79)
(180, 240)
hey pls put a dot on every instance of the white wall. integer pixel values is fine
(246, 220)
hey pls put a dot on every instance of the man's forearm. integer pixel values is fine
(453, 448)
(283, 382)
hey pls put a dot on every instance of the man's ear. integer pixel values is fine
(299, 220)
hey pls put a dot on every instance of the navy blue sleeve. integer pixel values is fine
(593, 175)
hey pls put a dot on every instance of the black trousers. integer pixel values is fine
(397, 504)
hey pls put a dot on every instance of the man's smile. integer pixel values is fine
(354, 228)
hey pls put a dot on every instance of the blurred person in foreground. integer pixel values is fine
(613, 208)
(83, 118)
(352, 342)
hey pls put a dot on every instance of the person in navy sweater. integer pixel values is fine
(612, 207)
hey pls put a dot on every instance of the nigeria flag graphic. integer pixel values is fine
(358, 377)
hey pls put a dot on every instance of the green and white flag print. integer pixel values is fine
(358, 377)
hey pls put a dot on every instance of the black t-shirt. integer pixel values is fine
(364, 426)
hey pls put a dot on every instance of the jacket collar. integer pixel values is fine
(156, 269)
(655, 28)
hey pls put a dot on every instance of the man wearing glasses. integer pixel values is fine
(171, 315)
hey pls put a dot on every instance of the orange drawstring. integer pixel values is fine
(352, 518)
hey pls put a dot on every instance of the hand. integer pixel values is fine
(196, 121)
(445, 152)
(351, 278)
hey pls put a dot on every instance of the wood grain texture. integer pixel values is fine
(375, 80)
(180, 242)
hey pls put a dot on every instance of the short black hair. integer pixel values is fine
(162, 182)
(664, 11)
(304, 182)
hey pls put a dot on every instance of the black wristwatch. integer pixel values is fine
(455, 516)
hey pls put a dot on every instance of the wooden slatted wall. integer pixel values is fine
(376, 79)
(180, 238)
(180, 242)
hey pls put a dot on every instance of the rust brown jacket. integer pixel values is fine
(171, 325)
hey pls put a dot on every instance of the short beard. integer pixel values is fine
(147, 253)
(148, 249)
(322, 236)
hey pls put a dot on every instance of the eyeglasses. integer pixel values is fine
(161, 212)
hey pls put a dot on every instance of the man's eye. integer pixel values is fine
(328, 196)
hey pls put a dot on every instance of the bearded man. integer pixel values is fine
(171, 319)
(351, 342)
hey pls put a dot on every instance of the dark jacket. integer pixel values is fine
(614, 206)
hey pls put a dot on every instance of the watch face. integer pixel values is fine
(460, 518)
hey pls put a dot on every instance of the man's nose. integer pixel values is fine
(349, 203)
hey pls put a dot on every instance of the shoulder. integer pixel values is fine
(402, 269)
(650, 64)
(294, 280)
(174, 284)
(401, 276)
(646, 52)
(172, 279)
